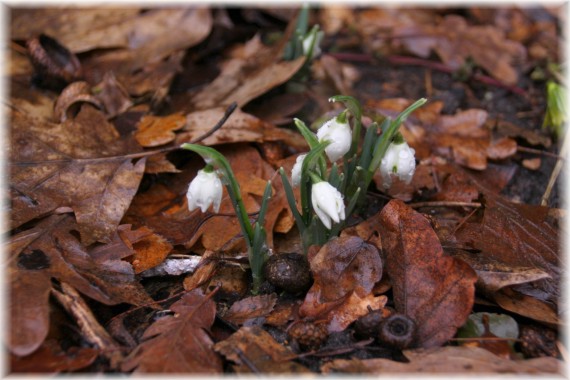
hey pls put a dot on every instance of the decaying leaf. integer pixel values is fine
(52, 250)
(50, 358)
(435, 290)
(179, 343)
(244, 78)
(344, 271)
(58, 165)
(446, 360)
(251, 307)
(149, 249)
(253, 349)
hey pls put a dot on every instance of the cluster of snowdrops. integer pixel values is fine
(332, 177)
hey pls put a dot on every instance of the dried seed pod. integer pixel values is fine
(308, 334)
(369, 325)
(55, 65)
(397, 331)
(289, 272)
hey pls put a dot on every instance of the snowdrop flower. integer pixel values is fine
(308, 41)
(296, 171)
(327, 203)
(338, 132)
(399, 160)
(205, 190)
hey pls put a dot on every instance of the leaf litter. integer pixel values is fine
(97, 191)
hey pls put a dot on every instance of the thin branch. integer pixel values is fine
(231, 108)
(555, 172)
(540, 152)
(444, 204)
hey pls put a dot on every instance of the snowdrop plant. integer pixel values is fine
(336, 187)
(206, 190)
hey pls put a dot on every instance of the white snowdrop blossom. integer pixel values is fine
(400, 161)
(340, 136)
(205, 190)
(327, 203)
(296, 171)
(308, 41)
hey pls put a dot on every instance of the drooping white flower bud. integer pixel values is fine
(296, 171)
(337, 131)
(400, 161)
(205, 190)
(315, 36)
(327, 203)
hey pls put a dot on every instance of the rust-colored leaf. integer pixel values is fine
(435, 290)
(158, 130)
(251, 307)
(502, 148)
(253, 349)
(179, 343)
(150, 249)
(449, 360)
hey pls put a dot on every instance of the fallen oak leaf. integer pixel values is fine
(435, 290)
(179, 343)
(153, 131)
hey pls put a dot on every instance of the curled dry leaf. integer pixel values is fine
(449, 360)
(344, 271)
(253, 349)
(74, 93)
(435, 290)
(179, 343)
(63, 165)
(252, 307)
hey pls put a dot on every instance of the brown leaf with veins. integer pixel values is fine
(449, 360)
(64, 165)
(51, 250)
(150, 249)
(179, 343)
(251, 307)
(435, 290)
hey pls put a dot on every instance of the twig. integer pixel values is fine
(540, 152)
(444, 204)
(92, 331)
(403, 60)
(245, 360)
(218, 125)
(555, 172)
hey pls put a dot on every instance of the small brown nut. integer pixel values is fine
(308, 334)
(289, 272)
(397, 331)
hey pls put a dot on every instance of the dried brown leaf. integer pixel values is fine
(449, 360)
(251, 307)
(179, 343)
(253, 346)
(50, 358)
(153, 131)
(435, 290)
(60, 165)
(52, 250)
